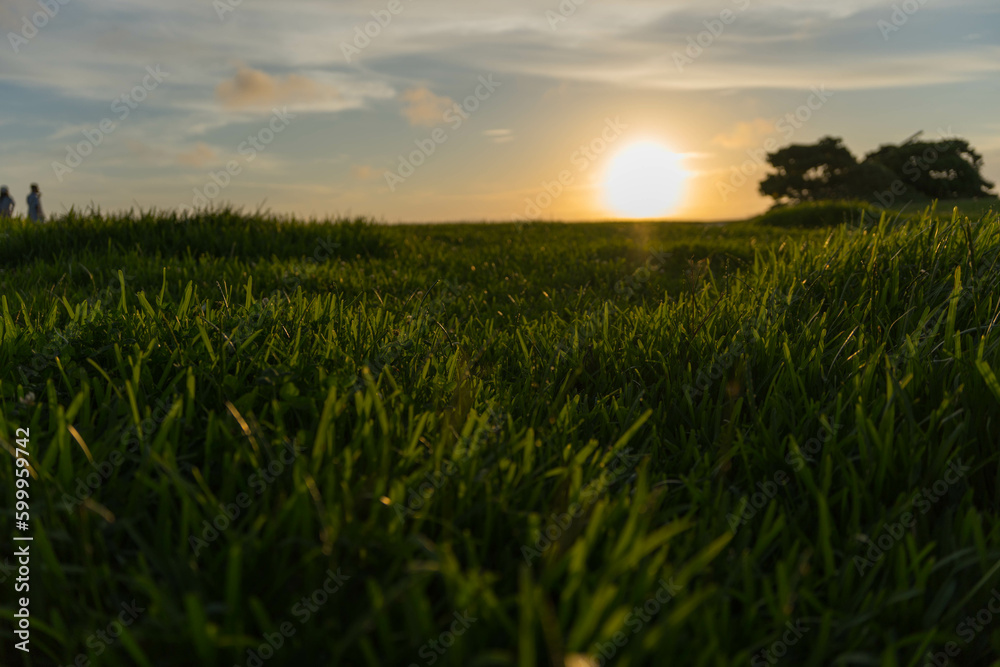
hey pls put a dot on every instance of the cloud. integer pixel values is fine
(363, 172)
(142, 150)
(500, 136)
(746, 134)
(13, 13)
(424, 107)
(69, 131)
(199, 156)
(137, 154)
(251, 88)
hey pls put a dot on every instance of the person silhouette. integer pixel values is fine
(35, 212)
(6, 203)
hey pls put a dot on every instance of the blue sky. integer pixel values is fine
(560, 71)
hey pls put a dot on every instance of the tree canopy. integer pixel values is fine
(949, 169)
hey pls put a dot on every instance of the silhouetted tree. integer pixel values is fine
(949, 169)
(810, 172)
(867, 179)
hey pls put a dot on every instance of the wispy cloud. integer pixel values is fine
(252, 88)
(199, 156)
(423, 108)
(500, 136)
(364, 172)
(746, 134)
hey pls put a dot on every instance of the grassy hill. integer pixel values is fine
(277, 443)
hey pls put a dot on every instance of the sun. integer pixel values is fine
(644, 180)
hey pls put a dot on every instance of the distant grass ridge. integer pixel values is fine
(819, 214)
(223, 232)
(838, 212)
(481, 422)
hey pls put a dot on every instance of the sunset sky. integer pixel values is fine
(552, 79)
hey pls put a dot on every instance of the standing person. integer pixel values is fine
(35, 212)
(6, 203)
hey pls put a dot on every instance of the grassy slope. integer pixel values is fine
(555, 375)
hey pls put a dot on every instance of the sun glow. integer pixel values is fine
(644, 180)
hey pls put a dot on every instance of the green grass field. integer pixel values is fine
(260, 442)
